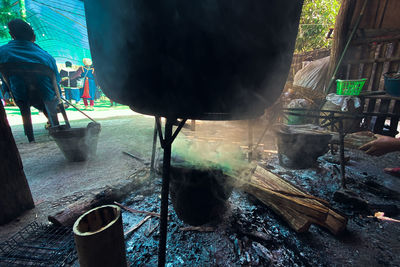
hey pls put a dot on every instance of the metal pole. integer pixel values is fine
(23, 9)
(250, 154)
(342, 160)
(75, 107)
(331, 145)
(162, 247)
(153, 153)
(346, 46)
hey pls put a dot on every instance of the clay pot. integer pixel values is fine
(301, 149)
(199, 195)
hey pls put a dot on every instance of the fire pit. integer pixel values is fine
(199, 195)
(207, 60)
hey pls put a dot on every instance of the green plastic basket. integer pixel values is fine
(349, 87)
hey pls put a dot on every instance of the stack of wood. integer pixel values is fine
(295, 206)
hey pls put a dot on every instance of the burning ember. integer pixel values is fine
(381, 216)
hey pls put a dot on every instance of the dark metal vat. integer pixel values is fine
(209, 59)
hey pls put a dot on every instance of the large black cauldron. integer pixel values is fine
(198, 59)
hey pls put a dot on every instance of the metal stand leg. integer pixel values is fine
(193, 125)
(153, 153)
(250, 154)
(342, 160)
(164, 193)
(166, 144)
(331, 144)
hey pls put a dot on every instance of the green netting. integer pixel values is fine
(60, 28)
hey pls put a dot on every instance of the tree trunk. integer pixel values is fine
(15, 194)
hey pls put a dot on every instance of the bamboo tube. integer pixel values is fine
(99, 237)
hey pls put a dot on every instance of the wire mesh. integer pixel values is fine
(39, 245)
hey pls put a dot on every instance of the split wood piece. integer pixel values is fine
(71, 213)
(90, 199)
(137, 226)
(297, 221)
(274, 190)
(198, 228)
(137, 211)
(298, 208)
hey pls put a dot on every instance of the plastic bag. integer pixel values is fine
(313, 75)
(299, 103)
(342, 100)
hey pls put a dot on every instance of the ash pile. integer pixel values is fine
(254, 222)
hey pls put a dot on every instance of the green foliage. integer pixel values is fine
(7, 13)
(316, 19)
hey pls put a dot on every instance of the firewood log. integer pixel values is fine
(298, 208)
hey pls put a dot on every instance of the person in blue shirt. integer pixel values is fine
(22, 48)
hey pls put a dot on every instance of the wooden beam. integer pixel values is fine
(15, 194)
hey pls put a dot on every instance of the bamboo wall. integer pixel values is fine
(374, 50)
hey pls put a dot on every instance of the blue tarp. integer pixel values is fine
(60, 28)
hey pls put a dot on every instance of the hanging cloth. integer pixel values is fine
(86, 89)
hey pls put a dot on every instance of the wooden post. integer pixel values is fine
(341, 33)
(15, 194)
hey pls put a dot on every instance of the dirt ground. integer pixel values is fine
(250, 235)
(55, 182)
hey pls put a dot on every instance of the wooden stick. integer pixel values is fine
(134, 228)
(152, 229)
(198, 228)
(133, 156)
(137, 211)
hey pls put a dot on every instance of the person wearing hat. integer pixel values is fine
(88, 91)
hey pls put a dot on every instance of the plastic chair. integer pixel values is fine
(30, 72)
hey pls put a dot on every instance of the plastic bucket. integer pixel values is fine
(77, 144)
(392, 83)
(293, 119)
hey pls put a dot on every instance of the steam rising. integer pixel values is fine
(203, 154)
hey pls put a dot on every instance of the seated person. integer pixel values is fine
(23, 49)
(381, 146)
